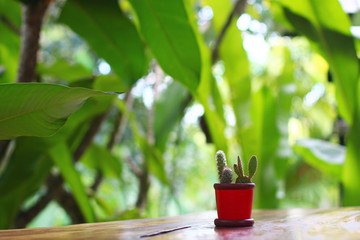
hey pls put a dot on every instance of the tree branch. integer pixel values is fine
(67, 201)
(115, 138)
(144, 185)
(25, 217)
(238, 9)
(120, 123)
(143, 174)
(89, 135)
(33, 15)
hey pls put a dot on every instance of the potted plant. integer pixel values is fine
(234, 200)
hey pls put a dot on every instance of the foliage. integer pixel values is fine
(195, 76)
(336, 44)
(325, 156)
(43, 114)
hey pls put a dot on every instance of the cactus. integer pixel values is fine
(225, 173)
(220, 162)
(226, 176)
(252, 166)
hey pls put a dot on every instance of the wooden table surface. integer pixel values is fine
(342, 223)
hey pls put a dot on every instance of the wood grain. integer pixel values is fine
(342, 223)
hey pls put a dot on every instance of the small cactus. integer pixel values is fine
(225, 173)
(220, 162)
(252, 166)
(226, 176)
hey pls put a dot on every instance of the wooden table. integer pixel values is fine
(342, 223)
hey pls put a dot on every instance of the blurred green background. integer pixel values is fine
(274, 78)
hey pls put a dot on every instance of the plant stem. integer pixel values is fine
(238, 9)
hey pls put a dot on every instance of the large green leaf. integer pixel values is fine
(36, 109)
(268, 135)
(263, 139)
(29, 165)
(208, 95)
(62, 158)
(322, 155)
(237, 69)
(110, 34)
(167, 29)
(169, 109)
(351, 173)
(329, 27)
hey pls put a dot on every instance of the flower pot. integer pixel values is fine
(234, 204)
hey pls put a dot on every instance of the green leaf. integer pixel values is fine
(29, 164)
(236, 63)
(36, 109)
(61, 156)
(100, 158)
(63, 70)
(263, 140)
(324, 156)
(329, 27)
(169, 109)
(207, 95)
(351, 170)
(166, 27)
(110, 34)
(109, 83)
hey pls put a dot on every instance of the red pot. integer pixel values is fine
(234, 204)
